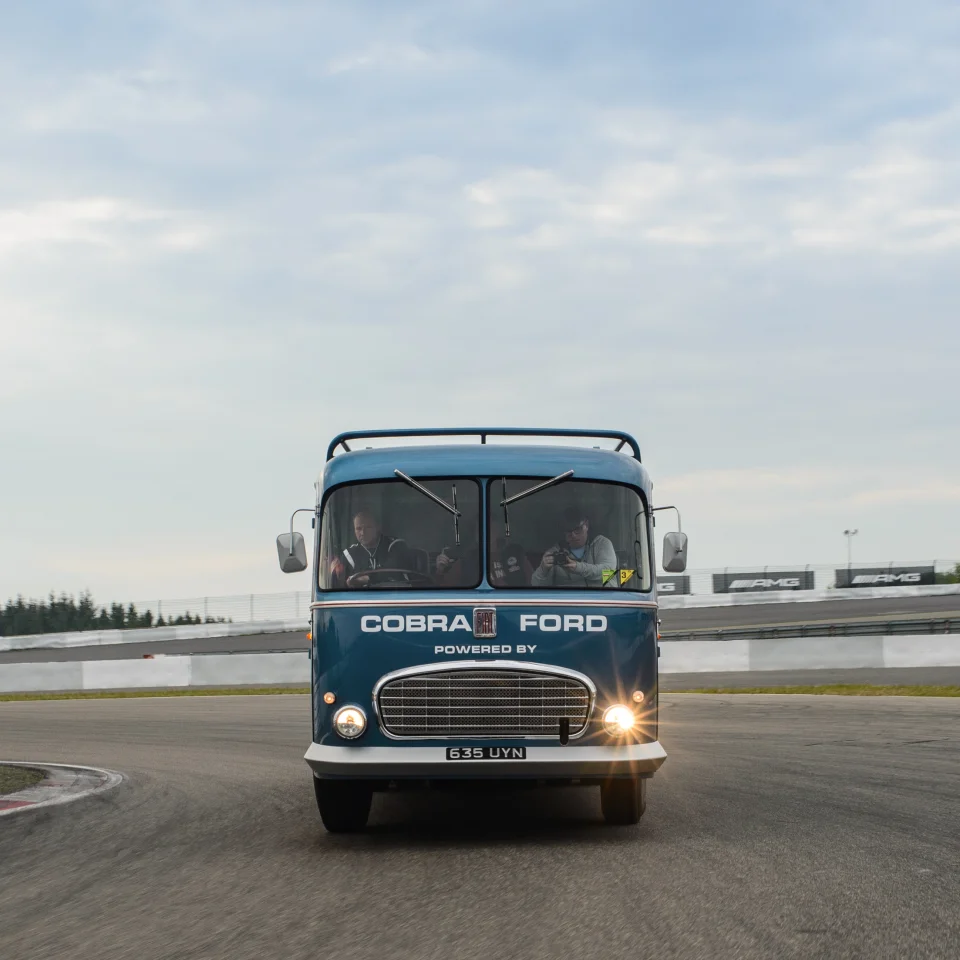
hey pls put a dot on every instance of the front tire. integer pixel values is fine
(344, 805)
(623, 801)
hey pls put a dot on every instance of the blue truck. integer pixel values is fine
(484, 607)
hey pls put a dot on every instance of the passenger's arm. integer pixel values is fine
(543, 576)
(606, 558)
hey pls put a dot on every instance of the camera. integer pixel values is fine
(561, 558)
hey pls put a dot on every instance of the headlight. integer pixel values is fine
(349, 722)
(618, 720)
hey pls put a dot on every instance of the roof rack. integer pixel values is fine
(343, 439)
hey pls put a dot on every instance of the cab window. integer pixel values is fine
(390, 535)
(574, 535)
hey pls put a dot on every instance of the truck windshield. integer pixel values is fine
(574, 535)
(388, 535)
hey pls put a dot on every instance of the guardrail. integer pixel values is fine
(97, 638)
(917, 627)
(40, 641)
(722, 584)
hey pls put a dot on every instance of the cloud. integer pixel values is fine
(705, 192)
(118, 99)
(116, 225)
(772, 492)
(226, 228)
(396, 57)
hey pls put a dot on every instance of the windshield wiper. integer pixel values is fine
(437, 500)
(506, 501)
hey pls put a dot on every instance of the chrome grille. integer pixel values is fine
(495, 703)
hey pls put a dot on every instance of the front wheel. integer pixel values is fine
(344, 805)
(623, 801)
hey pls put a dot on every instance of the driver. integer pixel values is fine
(578, 559)
(373, 549)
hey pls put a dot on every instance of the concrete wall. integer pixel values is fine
(215, 670)
(693, 656)
(22, 677)
(809, 653)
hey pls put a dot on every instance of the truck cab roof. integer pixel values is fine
(487, 460)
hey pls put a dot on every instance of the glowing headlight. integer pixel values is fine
(618, 720)
(349, 722)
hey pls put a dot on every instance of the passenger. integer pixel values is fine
(577, 560)
(509, 566)
(459, 566)
(373, 550)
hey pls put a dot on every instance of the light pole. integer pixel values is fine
(849, 534)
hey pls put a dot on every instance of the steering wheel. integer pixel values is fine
(412, 578)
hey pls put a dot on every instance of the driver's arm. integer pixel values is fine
(336, 572)
(449, 572)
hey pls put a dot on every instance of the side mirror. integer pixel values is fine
(675, 552)
(291, 552)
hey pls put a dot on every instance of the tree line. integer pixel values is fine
(952, 577)
(65, 614)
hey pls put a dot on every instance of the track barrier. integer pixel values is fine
(89, 638)
(690, 656)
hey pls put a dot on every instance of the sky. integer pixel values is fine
(229, 231)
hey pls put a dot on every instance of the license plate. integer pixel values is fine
(486, 753)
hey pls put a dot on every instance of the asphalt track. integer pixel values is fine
(673, 621)
(778, 827)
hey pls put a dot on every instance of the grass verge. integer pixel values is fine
(13, 779)
(844, 689)
(127, 694)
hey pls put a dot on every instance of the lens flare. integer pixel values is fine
(618, 720)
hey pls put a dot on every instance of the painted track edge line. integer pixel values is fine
(110, 779)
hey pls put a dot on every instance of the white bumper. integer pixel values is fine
(397, 762)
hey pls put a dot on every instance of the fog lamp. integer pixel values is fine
(349, 722)
(618, 720)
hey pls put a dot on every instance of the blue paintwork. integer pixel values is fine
(349, 662)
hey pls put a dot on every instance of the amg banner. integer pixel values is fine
(752, 582)
(885, 577)
(673, 586)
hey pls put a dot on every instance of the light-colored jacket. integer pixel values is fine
(599, 555)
